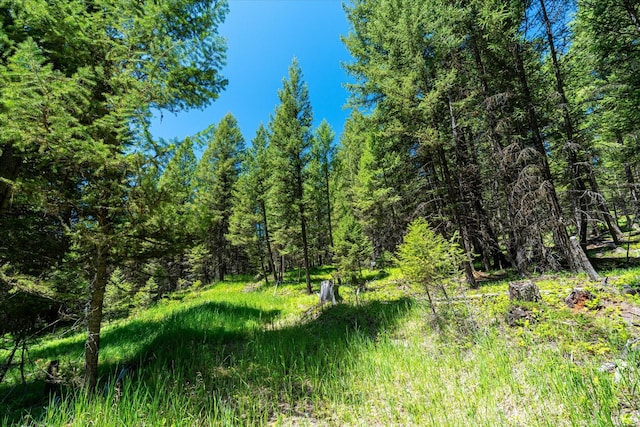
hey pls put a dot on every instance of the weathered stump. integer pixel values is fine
(577, 298)
(518, 315)
(328, 292)
(524, 291)
(52, 380)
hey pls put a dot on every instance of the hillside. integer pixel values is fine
(489, 138)
(241, 353)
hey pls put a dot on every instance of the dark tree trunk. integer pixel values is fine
(578, 261)
(265, 274)
(272, 265)
(328, 196)
(24, 350)
(633, 189)
(220, 268)
(305, 249)
(303, 229)
(503, 181)
(94, 319)
(579, 193)
(632, 183)
(8, 170)
(488, 241)
(612, 224)
(454, 199)
(282, 267)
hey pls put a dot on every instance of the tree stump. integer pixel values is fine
(328, 292)
(518, 315)
(52, 380)
(524, 291)
(577, 298)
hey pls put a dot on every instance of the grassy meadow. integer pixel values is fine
(240, 353)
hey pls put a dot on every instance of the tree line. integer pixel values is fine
(510, 126)
(509, 123)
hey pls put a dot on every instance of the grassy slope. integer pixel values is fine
(234, 354)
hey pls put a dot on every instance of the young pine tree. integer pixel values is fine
(428, 259)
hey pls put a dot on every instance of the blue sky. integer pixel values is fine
(262, 37)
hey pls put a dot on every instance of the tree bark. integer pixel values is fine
(94, 319)
(504, 181)
(455, 202)
(579, 192)
(487, 239)
(612, 224)
(631, 182)
(577, 259)
(282, 267)
(272, 264)
(220, 255)
(575, 163)
(8, 170)
(580, 254)
(303, 227)
(305, 249)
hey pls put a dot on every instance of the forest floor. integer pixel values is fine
(243, 353)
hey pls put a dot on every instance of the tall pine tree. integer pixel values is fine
(289, 156)
(216, 175)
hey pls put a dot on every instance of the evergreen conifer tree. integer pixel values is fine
(289, 146)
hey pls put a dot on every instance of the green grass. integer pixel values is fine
(239, 353)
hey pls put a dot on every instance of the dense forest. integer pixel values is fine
(511, 128)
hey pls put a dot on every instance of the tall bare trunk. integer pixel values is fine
(272, 265)
(632, 183)
(303, 229)
(454, 198)
(577, 259)
(578, 167)
(579, 192)
(305, 249)
(504, 181)
(221, 262)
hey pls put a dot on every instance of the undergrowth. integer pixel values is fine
(241, 353)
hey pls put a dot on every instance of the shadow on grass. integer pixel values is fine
(207, 325)
(610, 263)
(223, 344)
(278, 370)
(322, 270)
